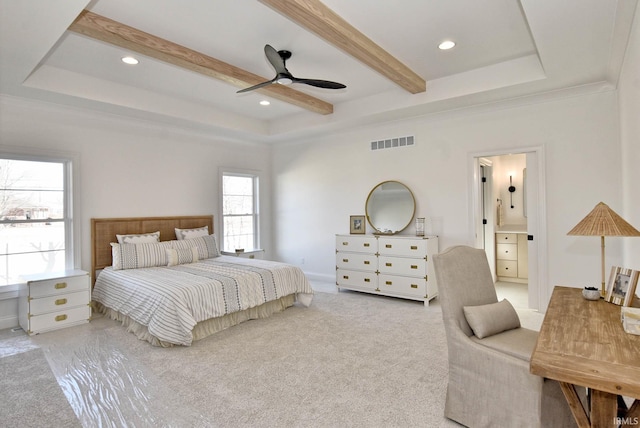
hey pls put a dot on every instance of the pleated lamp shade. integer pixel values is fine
(603, 221)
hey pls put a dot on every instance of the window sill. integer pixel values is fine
(9, 291)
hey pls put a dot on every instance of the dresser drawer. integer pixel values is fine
(403, 247)
(56, 320)
(59, 302)
(402, 266)
(352, 278)
(507, 268)
(506, 238)
(356, 244)
(413, 287)
(507, 251)
(358, 261)
(55, 286)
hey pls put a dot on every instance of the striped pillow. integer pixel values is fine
(206, 245)
(134, 256)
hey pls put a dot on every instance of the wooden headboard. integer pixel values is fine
(104, 230)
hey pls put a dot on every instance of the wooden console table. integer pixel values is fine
(583, 343)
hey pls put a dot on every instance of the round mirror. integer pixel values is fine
(390, 207)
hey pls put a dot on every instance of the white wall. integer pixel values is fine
(629, 99)
(318, 184)
(130, 169)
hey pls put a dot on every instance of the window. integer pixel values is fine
(239, 211)
(35, 217)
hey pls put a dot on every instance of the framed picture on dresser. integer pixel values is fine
(357, 225)
(622, 286)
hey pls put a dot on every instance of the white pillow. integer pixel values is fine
(182, 256)
(134, 256)
(494, 318)
(139, 238)
(192, 233)
(206, 245)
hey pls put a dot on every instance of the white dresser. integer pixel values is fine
(52, 301)
(398, 266)
(512, 259)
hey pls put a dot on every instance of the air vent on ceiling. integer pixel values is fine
(391, 143)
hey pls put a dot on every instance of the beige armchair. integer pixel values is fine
(489, 380)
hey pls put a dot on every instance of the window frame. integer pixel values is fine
(71, 206)
(255, 176)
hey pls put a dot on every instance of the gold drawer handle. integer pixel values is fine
(389, 283)
(345, 276)
(367, 262)
(367, 280)
(414, 247)
(366, 244)
(345, 260)
(414, 285)
(345, 243)
(61, 302)
(414, 266)
(61, 317)
(388, 264)
(60, 285)
(388, 246)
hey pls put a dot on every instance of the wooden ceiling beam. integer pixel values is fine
(325, 23)
(109, 31)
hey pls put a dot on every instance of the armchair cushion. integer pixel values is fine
(518, 342)
(490, 319)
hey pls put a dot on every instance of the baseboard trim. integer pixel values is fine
(9, 322)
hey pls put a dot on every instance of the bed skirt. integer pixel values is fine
(203, 328)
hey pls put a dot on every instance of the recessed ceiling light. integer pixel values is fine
(130, 60)
(264, 103)
(447, 44)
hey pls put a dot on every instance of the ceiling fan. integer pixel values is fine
(278, 61)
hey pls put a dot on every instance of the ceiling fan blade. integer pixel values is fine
(258, 86)
(320, 83)
(275, 59)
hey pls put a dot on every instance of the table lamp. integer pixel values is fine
(603, 221)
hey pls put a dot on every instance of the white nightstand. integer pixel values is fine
(54, 300)
(251, 254)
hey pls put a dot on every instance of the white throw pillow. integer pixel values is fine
(191, 233)
(139, 238)
(206, 245)
(494, 318)
(182, 256)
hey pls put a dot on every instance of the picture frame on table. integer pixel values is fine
(621, 287)
(357, 225)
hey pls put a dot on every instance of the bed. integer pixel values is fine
(179, 289)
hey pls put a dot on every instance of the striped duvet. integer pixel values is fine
(169, 301)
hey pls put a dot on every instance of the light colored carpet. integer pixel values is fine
(30, 395)
(349, 360)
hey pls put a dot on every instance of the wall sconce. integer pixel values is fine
(511, 189)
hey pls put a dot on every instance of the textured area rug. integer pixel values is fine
(30, 396)
(349, 360)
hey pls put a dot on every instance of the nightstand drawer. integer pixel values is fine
(56, 320)
(55, 286)
(59, 303)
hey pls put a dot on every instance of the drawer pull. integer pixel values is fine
(366, 244)
(389, 283)
(61, 317)
(388, 246)
(388, 264)
(345, 276)
(345, 243)
(414, 285)
(60, 285)
(367, 262)
(367, 280)
(414, 247)
(414, 266)
(61, 302)
(345, 260)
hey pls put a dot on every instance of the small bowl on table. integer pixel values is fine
(591, 293)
